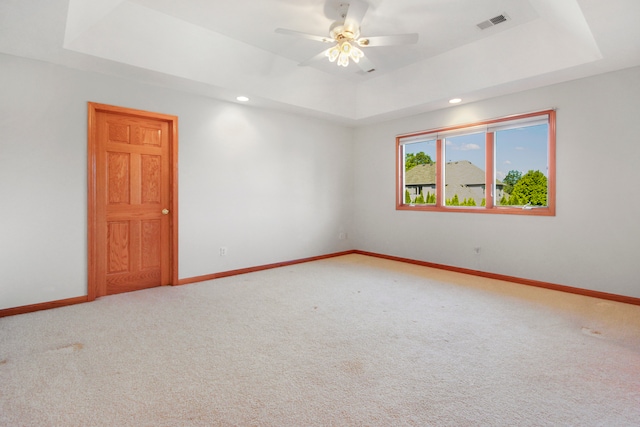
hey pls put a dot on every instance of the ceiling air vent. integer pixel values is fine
(493, 21)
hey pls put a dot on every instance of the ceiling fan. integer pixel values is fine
(344, 34)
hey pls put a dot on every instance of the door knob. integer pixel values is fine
(165, 211)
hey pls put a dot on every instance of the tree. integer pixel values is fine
(532, 189)
(411, 160)
(407, 197)
(511, 180)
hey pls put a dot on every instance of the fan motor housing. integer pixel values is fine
(339, 33)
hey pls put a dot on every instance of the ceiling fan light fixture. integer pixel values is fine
(344, 51)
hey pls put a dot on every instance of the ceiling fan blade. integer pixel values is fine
(366, 65)
(315, 58)
(304, 35)
(389, 40)
(355, 14)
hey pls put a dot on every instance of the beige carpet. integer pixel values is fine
(347, 341)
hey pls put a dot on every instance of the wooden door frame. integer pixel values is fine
(172, 121)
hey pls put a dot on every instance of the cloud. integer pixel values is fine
(463, 147)
(520, 148)
(507, 162)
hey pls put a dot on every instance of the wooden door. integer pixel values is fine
(132, 200)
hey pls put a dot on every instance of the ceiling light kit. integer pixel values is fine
(242, 99)
(345, 37)
(343, 50)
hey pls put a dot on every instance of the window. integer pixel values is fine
(504, 165)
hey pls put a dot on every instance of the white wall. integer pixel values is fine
(270, 187)
(594, 240)
(274, 187)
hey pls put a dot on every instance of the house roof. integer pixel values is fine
(462, 172)
(421, 175)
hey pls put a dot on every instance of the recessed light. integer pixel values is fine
(242, 98)
(455, 101)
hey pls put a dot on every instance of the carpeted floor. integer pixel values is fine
(346, 341)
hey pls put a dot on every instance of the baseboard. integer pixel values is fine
(42, 306)
(562, 288)
(259, 268)
(61, 303)
(519, 280)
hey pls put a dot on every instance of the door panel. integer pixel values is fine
(151, 173)
(118, 247)
(132, 222)
(150, 244)
(118, 178)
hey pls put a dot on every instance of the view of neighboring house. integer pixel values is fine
(462, 178)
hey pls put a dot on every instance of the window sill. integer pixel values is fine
(500, 210)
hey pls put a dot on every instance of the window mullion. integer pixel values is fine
(490, 180)
(439, 174)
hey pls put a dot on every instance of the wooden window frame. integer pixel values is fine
(490, 208)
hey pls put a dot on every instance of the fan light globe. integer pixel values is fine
(333, 53)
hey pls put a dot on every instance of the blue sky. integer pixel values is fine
(521, 149)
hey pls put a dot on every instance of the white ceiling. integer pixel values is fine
(227, 48)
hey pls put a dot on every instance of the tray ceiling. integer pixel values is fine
(226, 48)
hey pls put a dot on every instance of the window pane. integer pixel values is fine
(464, 175)
(420, 172)
(522, 166)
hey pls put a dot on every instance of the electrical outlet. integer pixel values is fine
(223, 250)
(342, 236)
